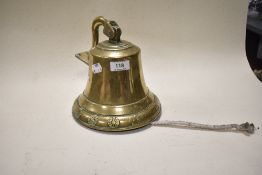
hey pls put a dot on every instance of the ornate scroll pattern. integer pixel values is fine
(118, 123)
(92, 120)
(113, 122)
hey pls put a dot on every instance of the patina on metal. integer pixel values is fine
(116, 97)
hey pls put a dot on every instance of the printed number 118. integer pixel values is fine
(120, 65)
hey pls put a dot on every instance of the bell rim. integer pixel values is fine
(117, 123)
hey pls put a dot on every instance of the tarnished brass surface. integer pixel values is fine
(114, 100)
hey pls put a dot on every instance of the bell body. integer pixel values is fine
(116, 97)
(113, 85)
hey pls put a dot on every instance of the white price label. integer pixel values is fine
(97, 68)
(119, 65)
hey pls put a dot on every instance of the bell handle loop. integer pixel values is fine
(111, 30)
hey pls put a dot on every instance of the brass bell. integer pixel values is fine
(116, 97)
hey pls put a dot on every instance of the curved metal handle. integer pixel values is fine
(111, 29)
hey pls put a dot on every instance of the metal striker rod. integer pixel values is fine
(248, 128)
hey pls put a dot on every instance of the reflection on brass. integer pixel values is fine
(116, 97)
